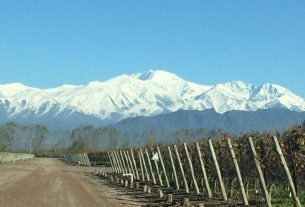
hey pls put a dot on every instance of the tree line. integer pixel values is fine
(38, 139)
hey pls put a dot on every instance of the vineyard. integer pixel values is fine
(12, 157)
(80, 159)
(255, 169)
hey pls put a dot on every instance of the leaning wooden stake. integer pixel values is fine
(191, 168)
(157, 168)
(222, 187)
(119, 161)
(123, 161)
(112, 166)
(144, 164)
(241, 184)
(283, 161)
(182, 170)
(135, 164)
(141, 166)
(163, 167)
(150, 167)
(111, 163)
(205, 177)
(131, 164)
(260, 173)
(126, 161)
(173, 167)
(115, 162)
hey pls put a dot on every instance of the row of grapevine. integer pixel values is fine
(81, 159)
(10, 156)
(246, 169)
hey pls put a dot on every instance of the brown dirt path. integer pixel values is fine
(52, 183)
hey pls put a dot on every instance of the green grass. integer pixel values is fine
(280, 197)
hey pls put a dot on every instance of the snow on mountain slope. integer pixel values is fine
(238, 95)
(143, 94)
(8, 90)
(21, 101)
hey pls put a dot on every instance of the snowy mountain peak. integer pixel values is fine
(8, 90)
(142, 94)
(156, 75)
(238, 84)
(13, 86)
(94, 84)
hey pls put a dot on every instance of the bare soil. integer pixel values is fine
(51, 182)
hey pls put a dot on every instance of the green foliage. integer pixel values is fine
(280, 197)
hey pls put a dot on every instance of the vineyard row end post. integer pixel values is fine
(260, 173)
(150, 167)
(283, 161)
(163, 167)
(182, 170)
(205, 177)
(241, 184)
(191, 168)
(173, 167)
(222, 187)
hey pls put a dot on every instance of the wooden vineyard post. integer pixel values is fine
(241, 184)
(173, 167)
(191, 168)
(283, 161)
(182, 170)
(115, 162)
(150, 167)
(144, 164)
(260, 173)
(141, 166)
(222, 187)
(111, 163)
(133, 167)
(157, 168)
(123, 161)
(135, 164)
(131, 164)
(292, 160)
(163, 167)
(119, 161)
(205, 177)
(127, 163)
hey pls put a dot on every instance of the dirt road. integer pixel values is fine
(51, 182)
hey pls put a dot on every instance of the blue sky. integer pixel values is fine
(48, 43)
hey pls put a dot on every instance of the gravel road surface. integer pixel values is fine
(51, 182)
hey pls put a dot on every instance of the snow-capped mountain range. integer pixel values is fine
(141, 94)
